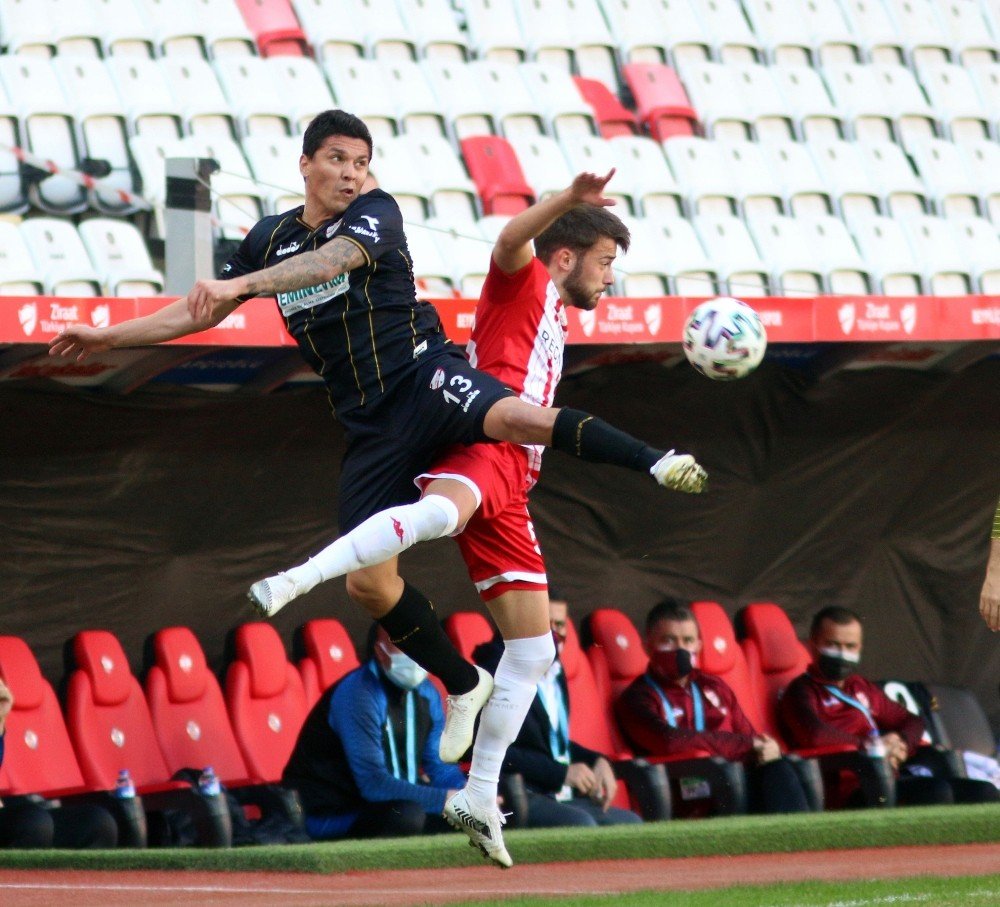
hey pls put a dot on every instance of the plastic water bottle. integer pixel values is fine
(124, 788)
(876, 745)
(208, 783)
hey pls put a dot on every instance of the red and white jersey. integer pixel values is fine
(519, 336)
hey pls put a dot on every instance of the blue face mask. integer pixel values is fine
(404, 672)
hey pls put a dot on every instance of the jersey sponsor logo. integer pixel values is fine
(438, 379)
(310, 297)
(468, 401)
(372, 233)
(397, 527)
(287, 250)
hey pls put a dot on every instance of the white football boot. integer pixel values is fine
(483, 826)
(460, 718)
(679, 472)
(268, 596)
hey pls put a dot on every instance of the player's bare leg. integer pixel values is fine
(523, 619)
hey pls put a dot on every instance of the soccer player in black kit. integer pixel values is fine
(340, 271)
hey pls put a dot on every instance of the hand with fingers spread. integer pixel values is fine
(78, 341)
(588, 188)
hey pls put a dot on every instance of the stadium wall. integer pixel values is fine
(874, 489)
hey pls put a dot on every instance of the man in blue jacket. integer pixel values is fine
(366, 763)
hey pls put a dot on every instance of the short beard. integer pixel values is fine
(577, 295)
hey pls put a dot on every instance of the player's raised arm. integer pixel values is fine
(512, 250)
(172, 321)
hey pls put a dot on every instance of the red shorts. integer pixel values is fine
(498, 544)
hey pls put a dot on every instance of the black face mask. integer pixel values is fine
(835, 667)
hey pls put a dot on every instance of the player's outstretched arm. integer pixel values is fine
(513, 246)
(989, 598)
(296, 273)
(173, 320)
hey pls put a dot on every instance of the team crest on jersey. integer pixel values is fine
(333, 228)
(438, 379)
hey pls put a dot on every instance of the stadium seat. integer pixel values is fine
(205, 110)
(466, 108)
(913, 117)
(707, 178)
(387, 35)
(833, 38)
(815, 114)
(877, 34)
(112, 729)
(301, 85)
(925, 35)
(657, 31)
(691, 272)
(148, 99)
(543, 164)
(860, 94)
(565, 109)
(495, 170)
(120, 257)
(434, 30)
(615, 653)
(187, 708)
(253, 96)
(265, 700)
(660, 99)
(890, 259)
(39, 757)
(495, 30)
(962, 719)
(716, 92)
(804, 190)
(643, 172)
(325, 654)
(393, 166)
(982, 158)
(981, 243)
(19, 275)
(467, 249)
(952, 94)
(205, 28)
(274, 163)
(642, 271)
(952, 188)
(47, 129)
(101, 121)
(436, 168)
(418, 110)
(433, 271)
(783, 29)
(467, 630)
(772, 117)
(597, 155)
(759, 191)
(548, 31)
(47, 27)
(732, 252)
(844, 270)
(13, 195)
(360, 86)
(842, 167)
(60, 257)
(515, 111)
(902, 191)
(122, 30)
(945, 266)
(986, 77)
(274, 27)
(732, 39)
(972, 42)
(796, 268)
(613, 118)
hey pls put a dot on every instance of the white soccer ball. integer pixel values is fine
(724, 339)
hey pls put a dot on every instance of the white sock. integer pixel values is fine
(522, 665)
(377, 539)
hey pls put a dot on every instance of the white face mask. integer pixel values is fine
(405, 672)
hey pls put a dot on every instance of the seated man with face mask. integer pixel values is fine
(366, 762)
(833, 704)
(674, 708)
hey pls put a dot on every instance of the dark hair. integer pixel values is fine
(334, 122)
(578, 230)
(835, 614)
(668, 609)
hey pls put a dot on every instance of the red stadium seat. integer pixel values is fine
(189, 713)
(616, 652)
(660, 99)
(775, 656)
(265, 699)
(722, 656)
(275, 27)
(468, 629)
(39, 756)
(328, 654)
(613, 117)
(495, 170)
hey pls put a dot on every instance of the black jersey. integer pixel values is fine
(364, 330)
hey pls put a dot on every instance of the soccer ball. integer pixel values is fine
(724, 339)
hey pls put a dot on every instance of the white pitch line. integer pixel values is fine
(219, 889)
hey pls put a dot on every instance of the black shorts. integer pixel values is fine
(395, 439)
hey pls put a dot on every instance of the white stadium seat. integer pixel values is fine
(986, 77)
(122, 28)
(47, 27)
(951, 186)
(690, 270)
(972, 43)
(565, 110)
(456, 87)
(888, 255)
(60, 257)
(795, 265)
(717, 95)
(203, 104)
(844, 270)
(733, 254)
(47, 128)
(120, 257)
(223, 28)
(758, 186)
(394, 169)
(773, 117)
(833, 38)
(418, 110)
(249, 86)
(19, 275)
(434, 29)
(732, 39)
(336, 29)
(644, 269)
(842, 167)
(515, 111)
(876, 31)
(495, 30)
(547, 31)
(594, 53)
(945, 268)
(912, 115)
(638, 29)
(925, 35)
(148, 98)
(802, 186)
(301, 84)
(431, 270)
(980, 244)
(860, 94)
(816, 116)
(955, 100)
(590, 154)
(983, 161)
(274, 162)
(901, 188)
(468, 251)
(12, 190)
(360, 86)
(543, 163)
(176, 26)
(452, 195)
(782, 29)
(387, 34)
(643, 172)
(704, 174)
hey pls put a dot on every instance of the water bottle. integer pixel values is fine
(875, 746)
(208, 783)
(124, 788)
